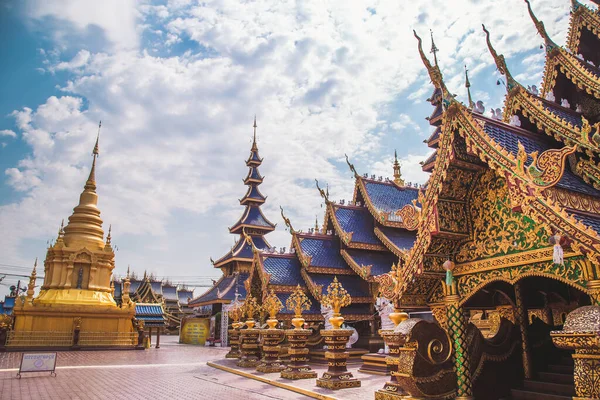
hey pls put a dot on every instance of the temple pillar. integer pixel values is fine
(457, 328)
(581, 332)
(522, 319)
(594, 291)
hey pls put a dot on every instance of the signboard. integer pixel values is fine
(38, 362)
(194, 331)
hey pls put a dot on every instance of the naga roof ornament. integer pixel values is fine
(500, 62)
(434, 72)
(550, 45)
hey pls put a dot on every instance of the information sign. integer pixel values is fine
(194, 331)
(38, 362)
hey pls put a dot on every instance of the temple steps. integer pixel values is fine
(549, 387)
(561, 369)
(557, 378)
(526, 395)
(556, 383)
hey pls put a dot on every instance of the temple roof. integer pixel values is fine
(358, 221)
(169, 292)
(398, 241)
(508, 138)
(118, 289)
(283, 268)
(184, 295)
(323, 251)
(253, 195)
(224, 291)
(151, 314)
(379, 262)
(253, 176)
(592, 222)
(253, 218)
(354, 285)
(434, 138)
(570, 116)
(386, 198)
(242, 250)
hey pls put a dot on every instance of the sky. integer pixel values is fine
(177, 83)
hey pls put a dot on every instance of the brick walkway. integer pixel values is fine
(173, 371)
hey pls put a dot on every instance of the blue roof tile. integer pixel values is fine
(254, 194)
(353, 284)
(380, 262)
(592, 222)
(156, 287)
(253, 173)
(224, 290)
(243, 249)
(401, 239)
(509, 141)
(148, 309)
(253, 216)
(183, 296)
(325, 252)
(169, 292)
(359, 221)
(568, 115)
(389, 198)
(118, 289)
(134, 285)
(283, 270)
(9, 302)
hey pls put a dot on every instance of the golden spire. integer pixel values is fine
(541, 29)
(500, 62)
(254, 146)
(316, 224)
(434, 71)
(32, 277)
(468, 86)
(434, 49)
(397, 176)
(85, 226)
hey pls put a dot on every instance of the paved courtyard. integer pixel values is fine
(172, 372)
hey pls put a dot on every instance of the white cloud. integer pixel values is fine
(323, 78)
(8, 132)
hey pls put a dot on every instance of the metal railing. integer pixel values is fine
(92, 339)
(39, 339)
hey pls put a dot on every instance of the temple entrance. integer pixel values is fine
(536, 306)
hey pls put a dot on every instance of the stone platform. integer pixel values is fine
(307, 387)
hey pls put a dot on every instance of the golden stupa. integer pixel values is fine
(77, 293)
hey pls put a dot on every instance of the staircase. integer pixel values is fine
(555, 382)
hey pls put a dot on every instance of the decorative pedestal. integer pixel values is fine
(581, 332)
(298, 367)
(234, 341)
(337, 375)
(250, 352)
(271, 361)
(392, 390)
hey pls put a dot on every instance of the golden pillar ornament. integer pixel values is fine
(337, 375)
(234, 333)
(250, 352)
(581, 332)
(272, 336)
(298, 367)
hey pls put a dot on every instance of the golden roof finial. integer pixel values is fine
(434, 49)
(324, 195)
(85, 225)
(272, 305)
(287, 221)
(468, 86)
(127, 276)
(336, 298)
(397, 175)
(254, 146)
(316, 223)
(541, 29)
(32, 277)
(351, 166)
(108, 237)
(500, 61)
(434, 71)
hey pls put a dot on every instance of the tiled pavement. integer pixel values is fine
(172, 372)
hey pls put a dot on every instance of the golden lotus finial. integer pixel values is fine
(251, 307)
(336, 298)
(272, 305)
(298, 302)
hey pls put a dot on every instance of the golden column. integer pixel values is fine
(581, 332)
(522, 318)
(394, 340)
(297, 337)
(234, 333)
(337, 375)
(249, 337)
(457, 328)
(272, 336)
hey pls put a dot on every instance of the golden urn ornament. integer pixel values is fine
(251, 308)
(336, 298)
(272, 305)
(298, 302)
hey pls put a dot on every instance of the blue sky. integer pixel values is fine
(177, 83)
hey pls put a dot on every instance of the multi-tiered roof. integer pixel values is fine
(236, 263)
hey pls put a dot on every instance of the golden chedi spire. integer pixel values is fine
(32, 278)
(85, 226)
(397, 176)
